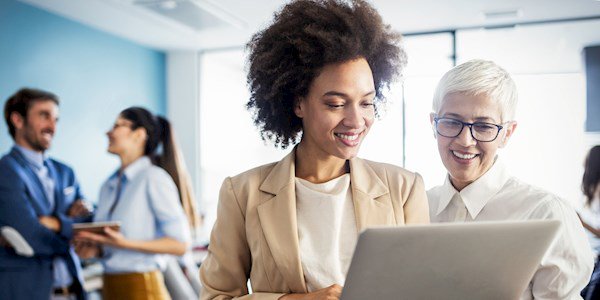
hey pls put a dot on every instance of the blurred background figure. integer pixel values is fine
(590, 214)
(40, 199)
(150, 195)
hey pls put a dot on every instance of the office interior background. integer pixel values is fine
(185, 59)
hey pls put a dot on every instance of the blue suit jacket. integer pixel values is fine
(22, 201)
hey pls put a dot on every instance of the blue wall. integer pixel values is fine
(95, 74)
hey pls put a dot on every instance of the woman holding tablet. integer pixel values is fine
(142, 194)
(316, 77)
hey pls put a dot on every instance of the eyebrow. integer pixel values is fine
(478, 119)
(344, 95)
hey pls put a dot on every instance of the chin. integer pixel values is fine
(464, 176)
(347, 155)
(42, 148)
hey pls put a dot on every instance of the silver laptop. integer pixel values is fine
(483, 260)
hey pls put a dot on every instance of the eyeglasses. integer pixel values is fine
(117, 125)
(480, 131)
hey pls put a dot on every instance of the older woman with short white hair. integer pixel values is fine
(473, 116)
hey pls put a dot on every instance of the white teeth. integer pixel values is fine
(463, 156)
(347, 137)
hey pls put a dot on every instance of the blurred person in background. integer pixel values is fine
(590, 215)
(145, 195)
(40, 198)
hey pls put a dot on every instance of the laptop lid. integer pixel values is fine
(480, 260)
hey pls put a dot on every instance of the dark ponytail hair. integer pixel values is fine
(162, 150)
(591, 175)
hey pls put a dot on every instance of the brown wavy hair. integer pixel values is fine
(305, 36)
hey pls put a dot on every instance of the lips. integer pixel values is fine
(464, 155)
(350, 139)
(47, 135)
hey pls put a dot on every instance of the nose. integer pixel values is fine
(354, 117)
(465, 138)
(52, 123)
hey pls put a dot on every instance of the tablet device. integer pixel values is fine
(96, 227)
(483, 260)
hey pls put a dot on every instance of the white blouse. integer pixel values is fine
(326, 230)
(566, 268)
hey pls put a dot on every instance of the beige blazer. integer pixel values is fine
(255, 235)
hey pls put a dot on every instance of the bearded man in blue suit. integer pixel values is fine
(39, 198)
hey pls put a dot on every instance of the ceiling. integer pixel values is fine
(172, 25)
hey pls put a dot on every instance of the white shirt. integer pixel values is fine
(326, 230)
(565, 269)
(148, 208)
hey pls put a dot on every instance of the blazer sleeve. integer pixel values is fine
(17, 212)
(225, 271)
(416, 206)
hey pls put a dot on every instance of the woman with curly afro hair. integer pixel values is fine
(316, 77)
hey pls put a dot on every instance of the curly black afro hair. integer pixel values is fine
(305, 36)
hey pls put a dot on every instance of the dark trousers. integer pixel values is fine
(592, 290)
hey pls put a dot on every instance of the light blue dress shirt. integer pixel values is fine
(148, 208)
(35, 160)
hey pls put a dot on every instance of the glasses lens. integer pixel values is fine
(448, 127)
(484, 132)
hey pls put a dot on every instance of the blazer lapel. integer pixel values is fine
(38, 198)
(58, 193)
(370, 196)
(277, 214)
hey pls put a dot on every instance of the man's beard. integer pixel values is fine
(33, 141)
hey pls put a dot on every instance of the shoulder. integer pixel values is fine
(254, 176)
(60, 166)
(544, 204)
(245, 187)
(7, 162)
(433, 194)
(8, 170)
(156, 174)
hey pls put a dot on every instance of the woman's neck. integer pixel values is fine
(128, 158)
(318, 168)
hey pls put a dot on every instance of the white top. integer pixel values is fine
(566, 268)
(326, 230)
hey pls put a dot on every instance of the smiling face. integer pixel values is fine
(338, 110)
(465, 158)
(36, 130)
(122, 139)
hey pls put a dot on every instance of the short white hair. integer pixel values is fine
(479, 77)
